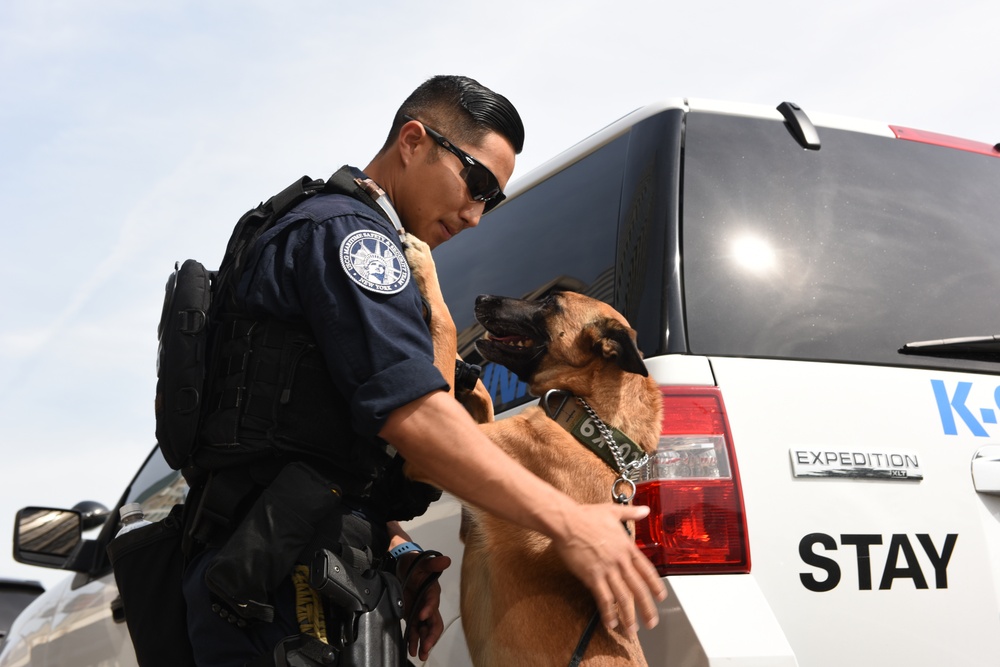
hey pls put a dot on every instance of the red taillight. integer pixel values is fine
(945, 140)
(696, 523)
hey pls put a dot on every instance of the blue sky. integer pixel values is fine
(134, 134)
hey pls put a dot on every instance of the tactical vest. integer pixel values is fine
(270, 398)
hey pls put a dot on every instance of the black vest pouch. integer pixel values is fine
(149, 566)
(266, 545)
(272, 396)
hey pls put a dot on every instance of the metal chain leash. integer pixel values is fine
(623, 468)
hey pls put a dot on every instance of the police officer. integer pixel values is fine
(328, 290)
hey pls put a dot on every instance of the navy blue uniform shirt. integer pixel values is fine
(338, 265)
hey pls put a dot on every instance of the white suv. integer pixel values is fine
(816, 297)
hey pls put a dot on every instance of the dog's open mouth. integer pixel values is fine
(515, 333)
(506, 346)
(512, 341)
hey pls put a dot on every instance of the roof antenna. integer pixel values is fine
(799, 125)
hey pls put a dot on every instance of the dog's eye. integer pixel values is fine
(552, 303)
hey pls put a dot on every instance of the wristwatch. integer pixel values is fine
(404, 548)
(391, 560)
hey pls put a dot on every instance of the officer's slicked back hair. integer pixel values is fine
(461, 109)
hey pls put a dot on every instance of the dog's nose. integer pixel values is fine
(484, 299)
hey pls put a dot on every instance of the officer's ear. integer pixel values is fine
(409, 139)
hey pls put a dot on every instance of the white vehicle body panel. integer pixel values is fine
(768, 617)
(70, 626)
(776, 406)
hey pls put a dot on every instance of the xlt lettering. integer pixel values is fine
(899, 546)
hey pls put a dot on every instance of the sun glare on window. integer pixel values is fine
(754, 254)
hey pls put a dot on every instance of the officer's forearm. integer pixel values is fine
(437, 436)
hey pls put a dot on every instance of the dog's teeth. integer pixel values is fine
(512, 341)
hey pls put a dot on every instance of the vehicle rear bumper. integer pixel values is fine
(710, 620)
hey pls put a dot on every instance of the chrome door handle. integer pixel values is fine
(986, 469)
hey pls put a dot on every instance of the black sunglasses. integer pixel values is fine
(483, 185)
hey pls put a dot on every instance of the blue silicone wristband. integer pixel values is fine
(404, 548)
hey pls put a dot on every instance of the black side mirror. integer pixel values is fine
(47, 537)
(93, 513)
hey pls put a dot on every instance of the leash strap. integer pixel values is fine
(588, 632)
(581, 646)
(427, 583)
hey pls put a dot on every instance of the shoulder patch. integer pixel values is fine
(374, 262)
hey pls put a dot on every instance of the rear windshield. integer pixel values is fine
(560, 235)
(841, 254)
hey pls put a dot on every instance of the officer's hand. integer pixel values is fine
(599, 551)
(424, 623)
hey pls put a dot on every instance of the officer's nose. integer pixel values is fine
(472, 213)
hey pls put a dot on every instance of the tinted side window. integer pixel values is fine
(841, 254)
(157, 488)
(559, 234)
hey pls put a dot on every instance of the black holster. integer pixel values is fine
(363, 617)
(269, 541)
(366, 609)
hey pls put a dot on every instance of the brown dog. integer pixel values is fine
(520, 605)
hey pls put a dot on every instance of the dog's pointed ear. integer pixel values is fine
(617, 342)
